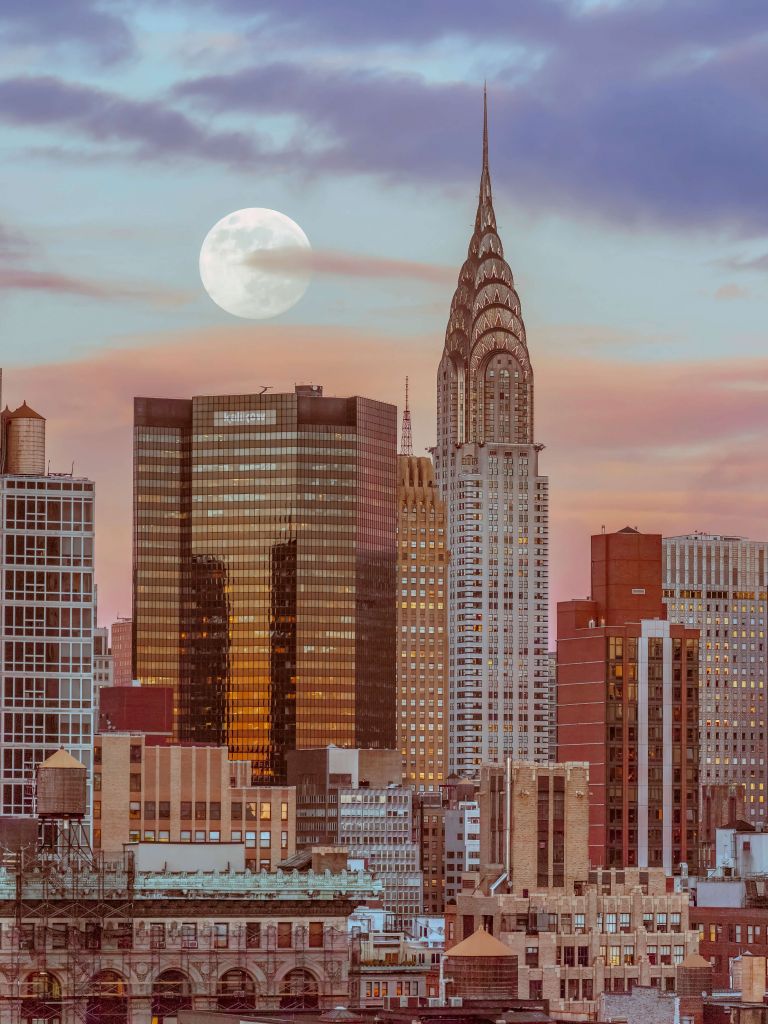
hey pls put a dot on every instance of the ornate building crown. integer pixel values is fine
(485, 360)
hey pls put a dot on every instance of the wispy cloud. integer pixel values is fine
(149, 129)
(334, 263)
(84, 23)
(757, 264)
(731, 291)
(26, 280)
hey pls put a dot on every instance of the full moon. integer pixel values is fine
(254, 263)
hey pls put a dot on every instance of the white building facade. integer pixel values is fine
(47, 611)
(718, 584)
(487, 468)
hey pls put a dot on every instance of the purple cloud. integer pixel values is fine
(152, 129)
(681, 146)
(81, 22)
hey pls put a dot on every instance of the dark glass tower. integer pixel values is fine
(264, 569)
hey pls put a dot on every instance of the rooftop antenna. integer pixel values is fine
(265, 387)
(406, 437)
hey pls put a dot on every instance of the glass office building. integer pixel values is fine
(264, 569)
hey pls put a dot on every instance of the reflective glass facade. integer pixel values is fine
(264, 569)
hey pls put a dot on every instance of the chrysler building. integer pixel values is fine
(487, 467)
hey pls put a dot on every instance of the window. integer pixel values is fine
(135, 783)
(265, 839)
(579, 924)
(200, 810)
(220, 935)
(678, 954)
(284, 810)
(136, 753)
(134, 810)
(316, 934)
(284, 935)
(535, 989)
(624, 923)
(614, 956)
(149, 809)
(252, 934)
(265, 814)
(200, 836)
(185, 810)
(610, 924)
(189, 935)
(237, 812)
(215, 811)
(583, 956)
(531, 956)
(629, 955)
(569, 956)
(59, 936)
(164, 809)
(157, 935)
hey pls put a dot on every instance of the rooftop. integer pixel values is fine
(480, 944)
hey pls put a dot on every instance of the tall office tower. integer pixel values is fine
(122, 645)
(422, 634)
(487, 469)
(718, 585)
(264, 569)
(628, 704)
(47, 610)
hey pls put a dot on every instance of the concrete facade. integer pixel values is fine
(173, 793)
(614, 930)
(534, 824)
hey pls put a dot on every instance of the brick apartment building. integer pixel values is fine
(627, 684)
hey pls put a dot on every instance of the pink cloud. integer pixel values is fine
(24, 279)
(667, 447)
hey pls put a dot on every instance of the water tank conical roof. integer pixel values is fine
(24, 412)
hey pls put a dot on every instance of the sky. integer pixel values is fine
(628, 149)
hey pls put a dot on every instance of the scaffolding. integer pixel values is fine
(71, 933)
(97, 942)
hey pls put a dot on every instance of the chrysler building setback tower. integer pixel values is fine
(487, 467)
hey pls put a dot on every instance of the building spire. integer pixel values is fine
(485, 127)
(406, 438)
(485, 215)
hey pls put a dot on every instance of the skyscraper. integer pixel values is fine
(47, 610)
(422, 633)
(264, 569)
(487, 469)
(718, 585)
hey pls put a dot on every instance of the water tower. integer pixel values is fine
(24, 442)
(62, 804)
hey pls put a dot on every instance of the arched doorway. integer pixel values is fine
(107, 1000)
(299, 991)
(171, 992)
(236, 991)
(41, 998)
